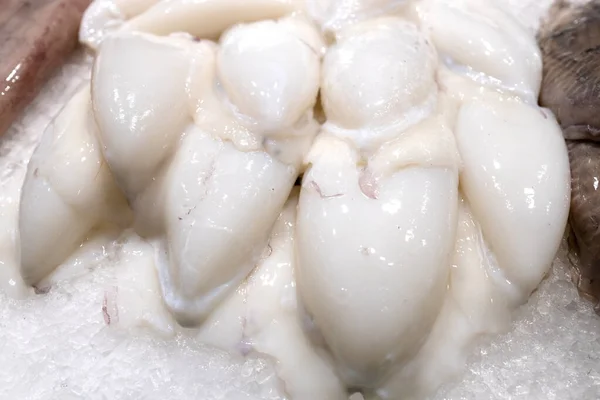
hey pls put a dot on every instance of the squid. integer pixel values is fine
(427, 208)
(263, 316)
(68, 192)
(367, 225)
(205, 19)
(334, 15)
(201, 159)
(503, 56)
(434, 190)
(132, 300)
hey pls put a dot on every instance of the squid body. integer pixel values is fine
(433, 199)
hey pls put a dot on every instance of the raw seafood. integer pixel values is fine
(334, 15)
(262, 316)
(378, 209)
(363, 233)
(569, 40)
(385, 170)
(68, 190)
(36, 38)
(189, 143)
(503, 55)
(206, 19)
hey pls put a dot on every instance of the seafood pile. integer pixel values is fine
(433, 196)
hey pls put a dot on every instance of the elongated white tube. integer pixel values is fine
(377, 211)
(68, 190)
(478, 39)
(203, 165)
(219, 210)
(262, 316)
(104, 17)
(140, 123)
(475, 305)
(374, 254)
(517, 179)
(207, 19)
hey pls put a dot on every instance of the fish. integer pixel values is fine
(569, 40)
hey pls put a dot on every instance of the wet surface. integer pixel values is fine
(36, 37)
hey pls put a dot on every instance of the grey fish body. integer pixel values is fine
(570, 44)
(584, 218)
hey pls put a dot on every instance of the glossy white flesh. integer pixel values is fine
(220, 207)
(262, 317)
(377, 81)
(482, 41)
(201, 166)
(475, 305)
(104, 17)
(374, 254)
(199, 146)
(280, 77)
(132, 8)
(134, 301)
(283, 123)
(207, 19)
(516, 177)
(334, 15)
(11, 281)
(141, 115)
(68, 190)
(375, 233)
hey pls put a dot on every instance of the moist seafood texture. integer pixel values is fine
(569, 40)
(391, 69)
(377, 219)
(263, 316)
(531, 193)
(503, 53)
(374, 242)
(68, 190)
(204, 160)
(335, 15)
(433, 200)
(201, 18)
